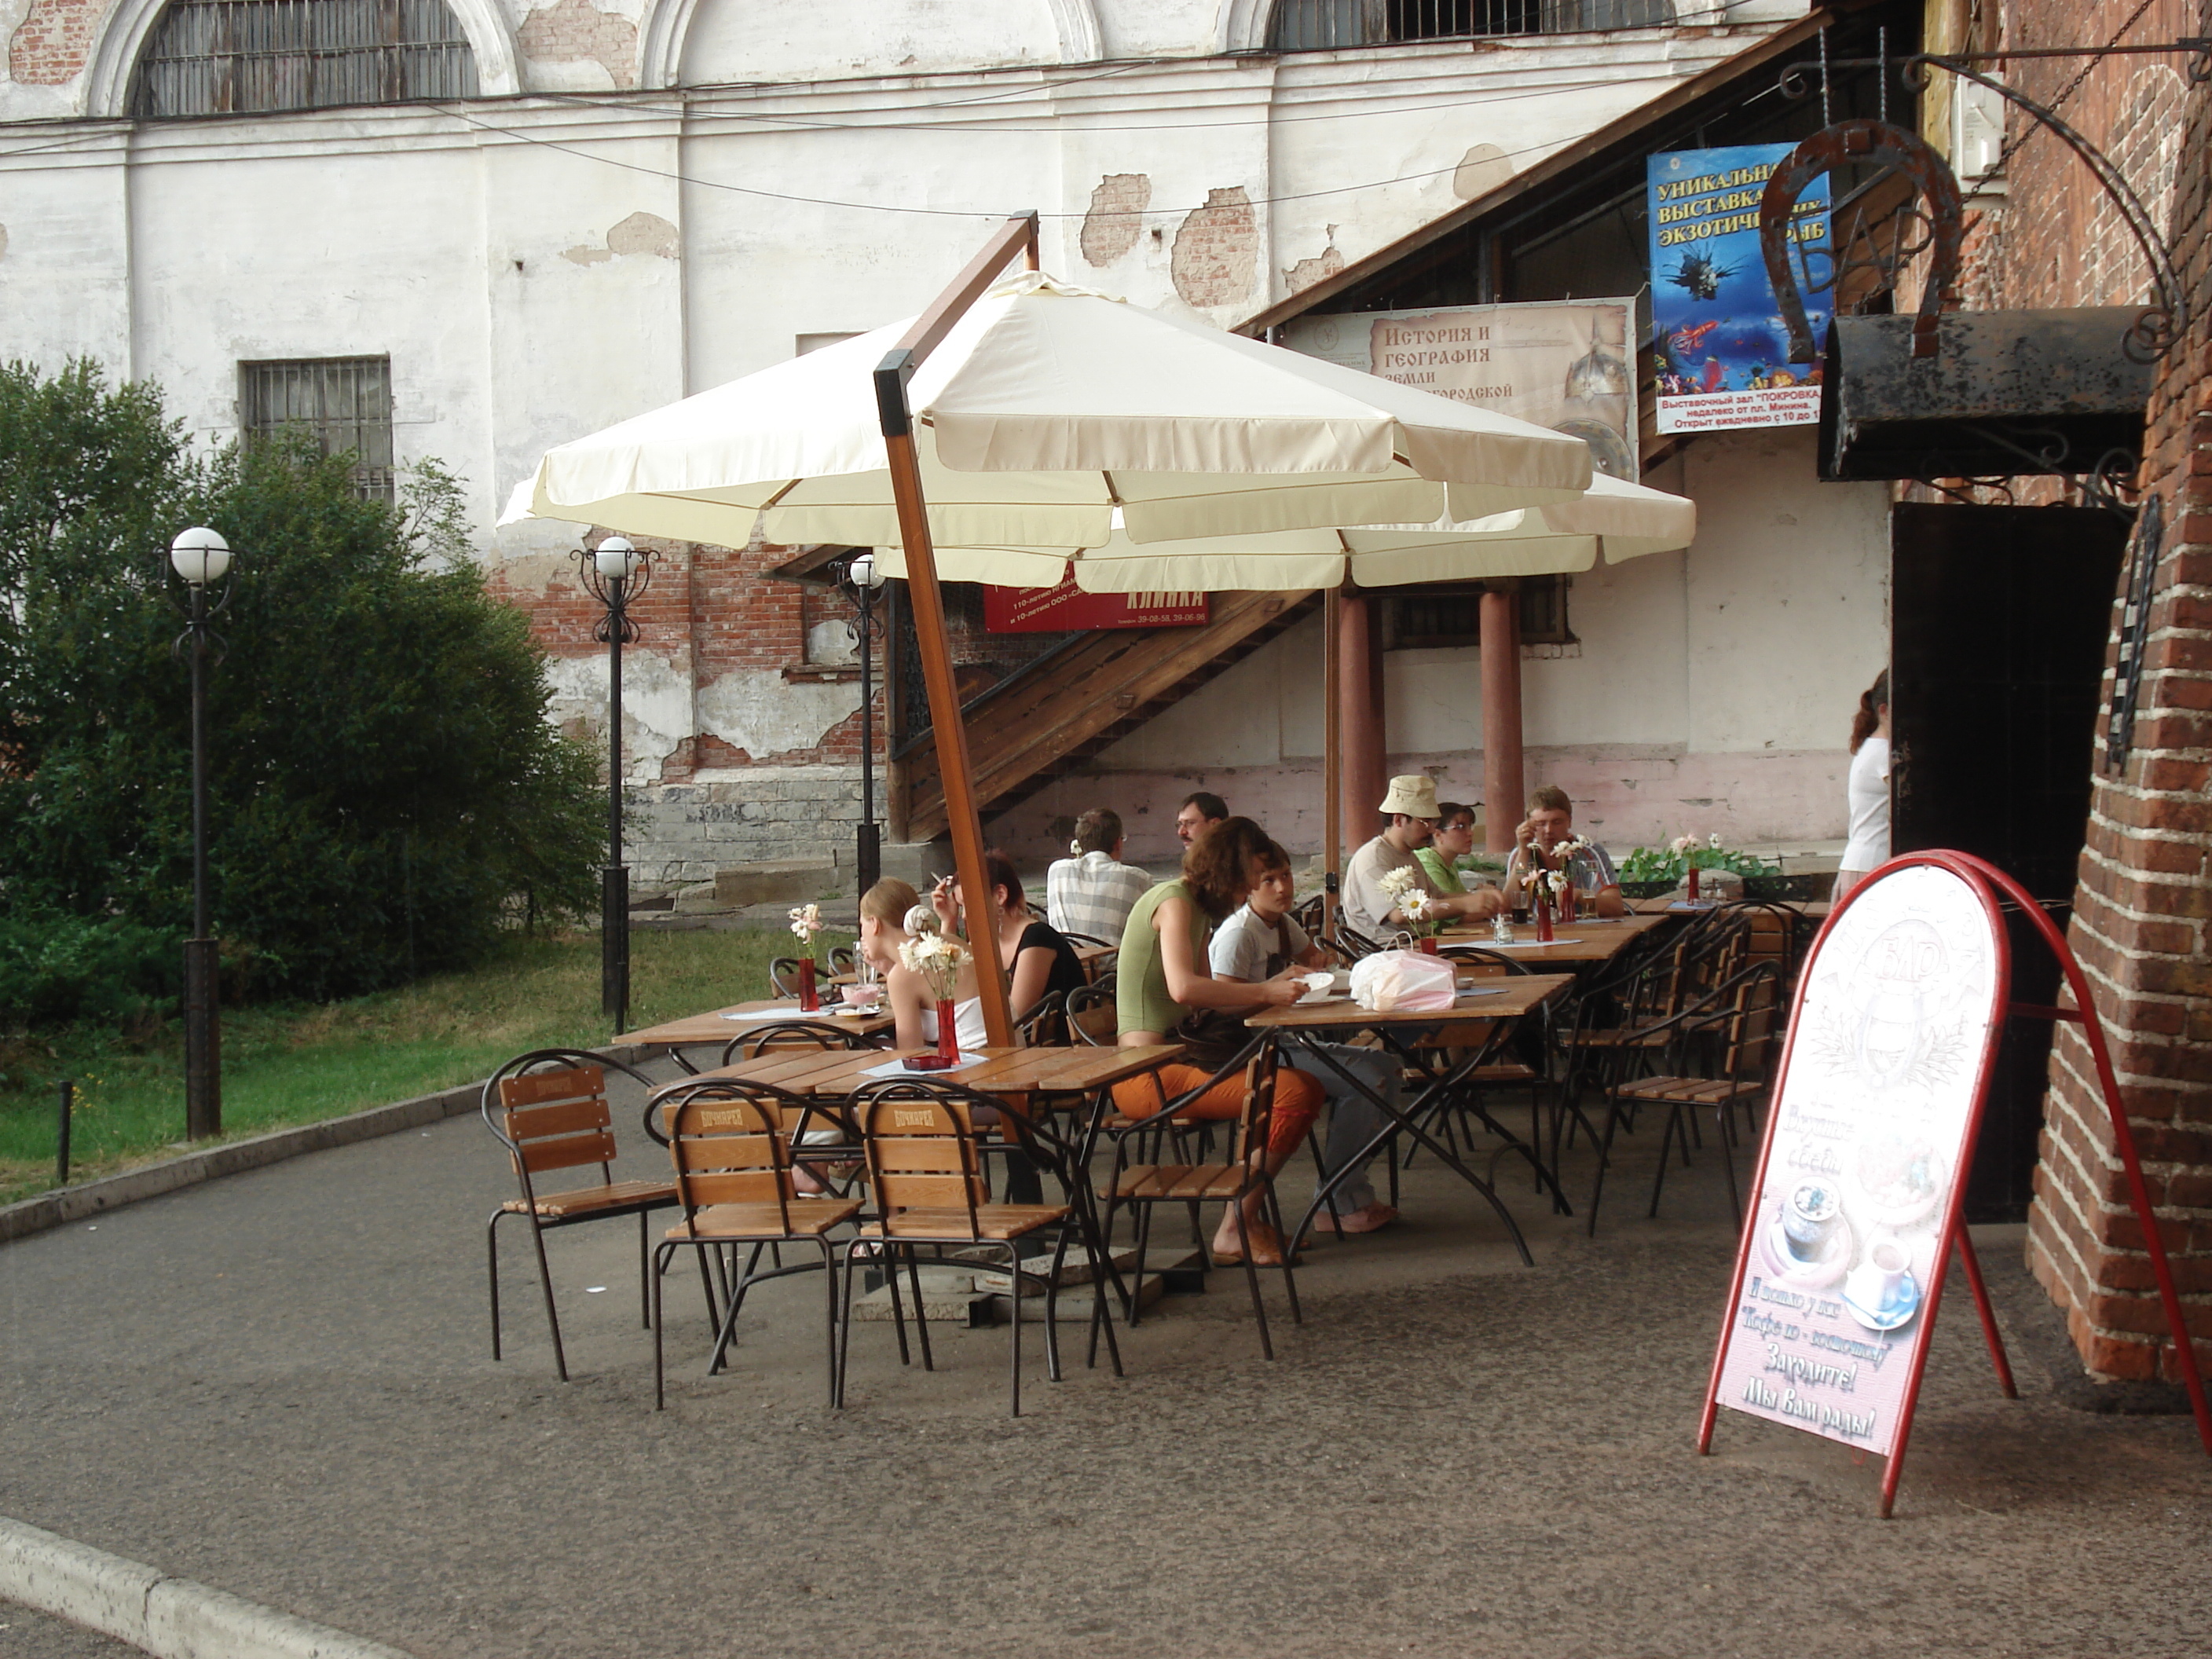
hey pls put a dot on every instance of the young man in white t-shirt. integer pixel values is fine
(1258, 942)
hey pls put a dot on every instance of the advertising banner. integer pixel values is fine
(1066, 608)
(1564, 364)
(1721, 345)
(1872, 1124)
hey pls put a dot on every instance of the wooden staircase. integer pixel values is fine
(1064, 709)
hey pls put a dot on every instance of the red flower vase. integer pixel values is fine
(1693, 884)
(1544, 934)
(948, 1044)
(809, 1002)
(1567, 906)
(1429, 944)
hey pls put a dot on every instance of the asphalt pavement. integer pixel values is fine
(280, 1385)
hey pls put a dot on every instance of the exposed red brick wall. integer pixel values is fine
(2144, 897)
(52, 43)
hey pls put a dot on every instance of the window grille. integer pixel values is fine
(1428, 618)
(345, 403)
(1317, 25)
(248, 56)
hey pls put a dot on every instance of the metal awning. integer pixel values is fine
(2007, 393)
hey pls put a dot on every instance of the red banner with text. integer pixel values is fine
(1066, 608)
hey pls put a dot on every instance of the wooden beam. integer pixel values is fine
(928, 599)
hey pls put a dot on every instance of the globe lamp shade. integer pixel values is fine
(200, 555)
(616, 559)
(863, 572)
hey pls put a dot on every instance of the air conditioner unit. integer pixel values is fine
(1977, 124)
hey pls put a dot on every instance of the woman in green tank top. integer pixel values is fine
(1163, 975)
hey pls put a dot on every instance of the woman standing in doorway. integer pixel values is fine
(1867, 788)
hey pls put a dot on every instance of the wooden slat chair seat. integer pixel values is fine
(1141, 1185)
(549, 1110)
(925, 1159)
(731, 1144)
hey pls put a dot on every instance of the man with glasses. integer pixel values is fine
(1365, 904)
(1199, 813)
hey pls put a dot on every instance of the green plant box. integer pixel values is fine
(1647, 890)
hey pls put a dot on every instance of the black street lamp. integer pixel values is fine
(616, 575)
(200, 557)
(860, 583)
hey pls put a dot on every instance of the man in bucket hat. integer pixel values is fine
(1410, 810)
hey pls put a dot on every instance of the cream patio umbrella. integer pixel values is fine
(1023, 413)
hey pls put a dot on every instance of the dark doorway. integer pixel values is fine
(1999, 617)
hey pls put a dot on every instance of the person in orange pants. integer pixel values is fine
(1162, 978)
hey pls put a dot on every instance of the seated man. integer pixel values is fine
(1260, 942)
(1537, 845)
(1199, 813)
(1092, 892)
(1365, 903)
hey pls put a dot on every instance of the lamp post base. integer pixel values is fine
(203, 1040)
(614, 944)
(867, 855)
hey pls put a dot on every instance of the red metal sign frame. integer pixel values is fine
(1988, 882)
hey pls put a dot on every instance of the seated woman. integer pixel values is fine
(1453, 840)
(1039, 959)
(1165, 977)
(883, 910)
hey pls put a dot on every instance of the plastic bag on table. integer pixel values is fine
(1404, 983)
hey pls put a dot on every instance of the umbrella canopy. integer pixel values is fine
(1046, 410)
(1614, 521)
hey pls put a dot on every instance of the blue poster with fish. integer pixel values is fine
(1721, 348)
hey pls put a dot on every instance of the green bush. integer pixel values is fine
(54, 970)
(383, 788)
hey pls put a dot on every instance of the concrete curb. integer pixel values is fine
(67, 1204)
(170, 1618)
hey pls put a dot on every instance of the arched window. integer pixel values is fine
(248, 56)
(1307, 25)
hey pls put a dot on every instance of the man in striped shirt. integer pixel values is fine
(1093, 892)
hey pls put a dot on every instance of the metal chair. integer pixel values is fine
(1045, 1024)
(1717, 1054)
(1144, 1186)
(548, 1108)
(1092, 1016)
(925, 1155)
(783, 975)
(731, 1147)
(840, 959)
(752, 1043)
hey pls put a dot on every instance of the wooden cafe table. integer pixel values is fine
(1583, 943)
(1487, 1010)
(719, 1025)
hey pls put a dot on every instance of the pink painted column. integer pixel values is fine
(1366, 777)
(1503, 787)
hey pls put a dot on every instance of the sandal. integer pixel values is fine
(1267, 1250)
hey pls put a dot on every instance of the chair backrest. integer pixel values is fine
(731, 1146)
(1045, 1025)
(1352, 941)
(921, 1145)
(1756, 1022)
(783, 975)
(1255, 1118)
(840, 959)
(1485, 964)
(1308, 915)
(1093, 1016)
(557, 1119)
(787, 1035)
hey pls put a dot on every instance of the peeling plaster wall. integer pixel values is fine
(742, 40)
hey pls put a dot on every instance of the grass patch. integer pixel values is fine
(296, 1063)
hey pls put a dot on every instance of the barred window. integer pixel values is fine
(345, 403)
(249, 57)
(1311, 25)
(1427, 618)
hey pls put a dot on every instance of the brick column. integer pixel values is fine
(2142, 905)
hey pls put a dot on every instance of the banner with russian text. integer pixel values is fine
(1066, 608)
(1565, 364)
(1721, 348)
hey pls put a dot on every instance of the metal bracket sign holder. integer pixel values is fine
(1900, 1007)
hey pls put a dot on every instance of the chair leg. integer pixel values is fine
(491, 1240)
(1052, 1298)
(844, 1345)
(653, 1319)
(1014, 1337)
(1130, 1311)
(644, 1269)
(1728, 1167)
(1604, 1157)
(1275, 1215)
(1252, 1277)
(920, 1311)
(546, 1282)
(889, 1263)
(830, 1299)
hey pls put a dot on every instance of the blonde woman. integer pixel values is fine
(883, 910)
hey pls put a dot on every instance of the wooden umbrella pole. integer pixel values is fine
(1331, 760)
(946, 728)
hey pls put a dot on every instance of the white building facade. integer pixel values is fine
(551, 218)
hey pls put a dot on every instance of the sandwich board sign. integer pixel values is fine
(1900, 1006)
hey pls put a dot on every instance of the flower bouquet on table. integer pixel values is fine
(1412, 901)
(806, 926)
(927, 952)
(1553, 888)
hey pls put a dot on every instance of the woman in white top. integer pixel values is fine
(914, 1006)
(1867, 788)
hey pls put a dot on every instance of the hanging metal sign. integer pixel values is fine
(1721, 344)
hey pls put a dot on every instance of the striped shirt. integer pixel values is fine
(1093, 894)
